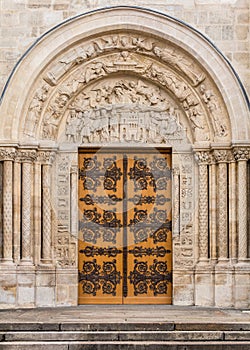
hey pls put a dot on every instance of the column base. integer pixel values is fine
(26, 262)
(6, 261)
(45, 262)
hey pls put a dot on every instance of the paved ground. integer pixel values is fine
(125, 314)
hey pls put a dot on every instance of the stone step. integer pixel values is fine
(124, 326)
(125, 336)
(128, 345)
(122, 336)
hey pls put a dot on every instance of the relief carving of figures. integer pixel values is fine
(53, 116)
(214, 108)
(127, 42)
(35, 109)
(180, 62)
(123, 111)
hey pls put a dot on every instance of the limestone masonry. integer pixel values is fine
(120, 78)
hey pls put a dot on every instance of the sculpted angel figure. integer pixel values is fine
(180, 62)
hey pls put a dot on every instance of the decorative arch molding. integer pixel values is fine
(130, 76)
(178, 42)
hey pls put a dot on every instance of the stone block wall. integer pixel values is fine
(225, 22)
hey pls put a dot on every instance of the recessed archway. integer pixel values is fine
(116, 76)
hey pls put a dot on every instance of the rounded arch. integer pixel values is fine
(184, 41)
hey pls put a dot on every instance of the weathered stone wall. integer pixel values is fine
(225, 22)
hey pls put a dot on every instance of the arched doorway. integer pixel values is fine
(140, 80)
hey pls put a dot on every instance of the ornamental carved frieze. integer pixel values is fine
(66, 84)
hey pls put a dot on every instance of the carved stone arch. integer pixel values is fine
(83, 27)
(164, 68)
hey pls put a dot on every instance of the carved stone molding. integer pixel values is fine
(162, 63)
(126, 43)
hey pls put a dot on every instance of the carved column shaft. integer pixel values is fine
(212, 216)
(7, 211)
(1, 206)
(242, 209)
(203, 159)
(203, 212)
(222, 212)
(26, 212)
(37, 212)
(232, 210)
(17, 210)
(46, 235)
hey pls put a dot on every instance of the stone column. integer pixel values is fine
(232, 209)
(17, 210)
(7, 155)
(27, 184)
(203, 158)
(46, 212)
(241, 156)
(221, 157)
(37, 212)
(212, 212)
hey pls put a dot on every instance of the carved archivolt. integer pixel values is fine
(105, 78)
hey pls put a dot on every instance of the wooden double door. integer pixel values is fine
(125, 239)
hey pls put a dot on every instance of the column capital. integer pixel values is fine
(7, 153)
(26, 155)
(241, 153)
(221, 155)
(46, 157)
(203, 157)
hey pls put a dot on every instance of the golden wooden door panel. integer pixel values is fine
(100, 228)
(124, 227)
(149, 228)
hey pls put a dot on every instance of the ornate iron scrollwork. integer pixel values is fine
(139, 252)
(91, 174)
(91, 200)
(91, 251)
(95, 225)
(142, 175)
(156, 277)
(140, 200)
(112, 174)
(94, 279)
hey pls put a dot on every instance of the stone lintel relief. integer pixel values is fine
(123, 110)
(168, 66)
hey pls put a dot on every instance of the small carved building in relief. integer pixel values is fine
(135, 84)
